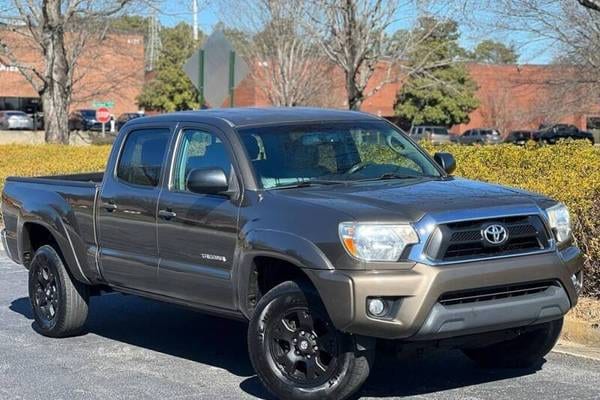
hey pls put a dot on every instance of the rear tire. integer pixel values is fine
(59, 303)
(296, 351)
(524, 351)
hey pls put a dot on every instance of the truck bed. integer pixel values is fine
(67, 205)
(83, 179)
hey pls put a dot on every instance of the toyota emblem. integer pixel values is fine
(495, 234)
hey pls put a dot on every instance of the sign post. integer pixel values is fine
(231, 77)
(201, 78)
(103, 116)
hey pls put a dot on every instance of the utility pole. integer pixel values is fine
(195, 18)
(153, 45)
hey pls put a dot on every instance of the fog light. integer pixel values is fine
(376, 307)
(577, 279)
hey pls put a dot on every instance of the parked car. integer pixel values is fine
(520, 137)
(125, 117)
(15, 120)
(480, 136)
(84, 120)
(552, 134)
(275, 216)
(432, 134)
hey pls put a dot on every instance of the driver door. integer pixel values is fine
(197, 233)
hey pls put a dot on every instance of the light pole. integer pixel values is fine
(195, 19)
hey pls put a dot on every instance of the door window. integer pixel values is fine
(142, 157)
(199, 149)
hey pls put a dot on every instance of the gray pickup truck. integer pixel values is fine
(331, 232)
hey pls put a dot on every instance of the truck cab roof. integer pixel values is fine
(239, 117)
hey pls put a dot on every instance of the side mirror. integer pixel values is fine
(207, 181)
(446, 161)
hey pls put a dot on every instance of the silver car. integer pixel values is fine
(481, 136)
(15, 120)
(433, 134)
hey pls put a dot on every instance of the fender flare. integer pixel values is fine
(59, 225)
(281, 245)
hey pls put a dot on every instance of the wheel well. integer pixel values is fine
(34, 237)
(268, 272)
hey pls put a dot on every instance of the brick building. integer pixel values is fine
(511, 97)
(111, 70)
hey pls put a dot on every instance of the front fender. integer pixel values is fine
(281, 245)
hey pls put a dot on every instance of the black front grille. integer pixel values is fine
(495, 293)
(463, 240)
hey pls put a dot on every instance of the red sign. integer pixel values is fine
(103, 115)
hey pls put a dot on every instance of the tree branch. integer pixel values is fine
(591, 4)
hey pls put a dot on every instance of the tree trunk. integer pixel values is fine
(56, 116)
(56, 94)
(355, 96)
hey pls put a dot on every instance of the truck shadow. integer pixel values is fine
(219, 342)
(395, 378)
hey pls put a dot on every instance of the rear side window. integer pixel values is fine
(142, 158)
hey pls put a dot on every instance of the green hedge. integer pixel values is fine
(568, 172)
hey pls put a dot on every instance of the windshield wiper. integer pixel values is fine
(392, 175)
(309, 183)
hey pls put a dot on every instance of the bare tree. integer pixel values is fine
(355, 36)
(567, 29)
(352, 33)
(59, 31)
(501, 106)
(287, 64)
(591, 4)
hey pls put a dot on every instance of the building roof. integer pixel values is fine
(240, 117)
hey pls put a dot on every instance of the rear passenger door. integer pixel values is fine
(197, 233)
(126, 216)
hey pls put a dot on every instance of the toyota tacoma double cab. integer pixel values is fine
(330, 231)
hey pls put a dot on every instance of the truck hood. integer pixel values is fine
(410, 200)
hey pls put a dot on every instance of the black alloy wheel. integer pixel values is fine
(45, 295)
(59, 302)
(303, 346)
(297, 352)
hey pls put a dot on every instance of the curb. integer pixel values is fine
(577, 350)
(580, 333)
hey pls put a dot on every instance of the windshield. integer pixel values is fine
(333, 152)
(88, 113)
(438, 131)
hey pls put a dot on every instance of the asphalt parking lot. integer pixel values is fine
(140, 349)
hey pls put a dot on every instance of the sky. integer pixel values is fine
(173, 12)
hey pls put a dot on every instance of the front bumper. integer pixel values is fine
(417, 313)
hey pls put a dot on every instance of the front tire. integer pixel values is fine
(296, 351)
(525, 351)
(59, 303)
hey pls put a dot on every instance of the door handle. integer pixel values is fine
(166, 214)
(110, 206)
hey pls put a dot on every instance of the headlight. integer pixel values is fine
(560, 222)
(376, 242)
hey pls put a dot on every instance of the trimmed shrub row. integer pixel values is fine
(568, 172)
